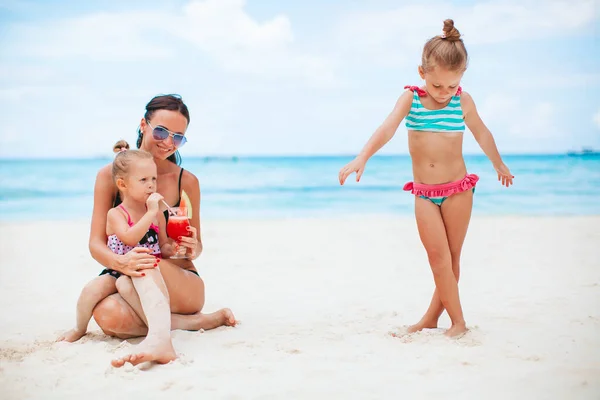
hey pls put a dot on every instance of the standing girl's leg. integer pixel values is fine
(433, 236)
(456, 214)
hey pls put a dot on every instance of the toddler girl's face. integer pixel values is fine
(141, 180)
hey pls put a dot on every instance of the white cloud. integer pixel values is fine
(596, 118)
(220, 28)
(99, 36)
(390, 34)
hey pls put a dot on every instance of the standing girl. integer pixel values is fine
(436, 114)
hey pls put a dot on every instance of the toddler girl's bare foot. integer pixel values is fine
(159, 350)
(419, 326)
(456, 330)
(71, 336)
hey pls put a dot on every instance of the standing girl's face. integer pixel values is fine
(172, 121)
(140, 181)
(441, 84)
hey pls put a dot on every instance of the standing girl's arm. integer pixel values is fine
(380, 137)
(484, 137)
(128, 264)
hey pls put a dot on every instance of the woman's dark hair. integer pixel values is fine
(171, 102)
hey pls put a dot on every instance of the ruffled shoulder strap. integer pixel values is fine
(417, 90)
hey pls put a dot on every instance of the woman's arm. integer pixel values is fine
(191, 185)
(104, 191)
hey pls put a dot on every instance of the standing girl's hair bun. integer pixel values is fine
(450, 32)
(446, 50)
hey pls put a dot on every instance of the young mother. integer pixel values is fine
(161, 132)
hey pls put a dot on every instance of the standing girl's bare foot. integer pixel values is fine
(159, 350)
(456, 330)
(423, 324)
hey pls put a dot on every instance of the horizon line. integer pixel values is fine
(256, 156)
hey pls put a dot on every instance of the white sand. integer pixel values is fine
(317, 299)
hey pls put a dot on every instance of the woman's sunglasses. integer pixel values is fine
(161, 133)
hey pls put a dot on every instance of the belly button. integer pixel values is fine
(431, 165)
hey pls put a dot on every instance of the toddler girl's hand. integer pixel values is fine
(504, 175)
(152, 202)
(357, 165)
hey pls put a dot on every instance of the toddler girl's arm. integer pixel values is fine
(131, 235)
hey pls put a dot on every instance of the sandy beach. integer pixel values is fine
(316, 299)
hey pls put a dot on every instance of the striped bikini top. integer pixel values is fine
(448, 119)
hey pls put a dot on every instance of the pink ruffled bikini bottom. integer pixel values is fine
(438, 193)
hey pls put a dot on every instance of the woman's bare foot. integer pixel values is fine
(205, 321)
(456, 330)
(423, 324)
(159, 350)
(71, 336)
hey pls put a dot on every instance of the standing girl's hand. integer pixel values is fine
(152, 202)
(504, 175)
(357, 165)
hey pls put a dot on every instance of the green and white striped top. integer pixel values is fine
(447, 119)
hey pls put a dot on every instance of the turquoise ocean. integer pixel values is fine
(301, 187)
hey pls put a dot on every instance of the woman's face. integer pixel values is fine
(173, 121)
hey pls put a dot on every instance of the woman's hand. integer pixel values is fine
(136, 261)
(190, 243)
(504, 175)
(357, 165)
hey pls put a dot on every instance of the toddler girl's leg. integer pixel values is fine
(154, 298)
(456, 214)
(95, 291)
(432, 232)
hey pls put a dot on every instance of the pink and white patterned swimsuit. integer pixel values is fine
(149, 241)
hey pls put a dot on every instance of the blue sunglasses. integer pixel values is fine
(161, 133)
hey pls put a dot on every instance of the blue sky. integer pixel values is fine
(288, 77)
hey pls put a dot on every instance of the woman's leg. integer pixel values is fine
(188, 322)
(456, 214)
(117, 318)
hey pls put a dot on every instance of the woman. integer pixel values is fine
(161, 132)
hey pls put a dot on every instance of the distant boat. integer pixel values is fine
(585, 151)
